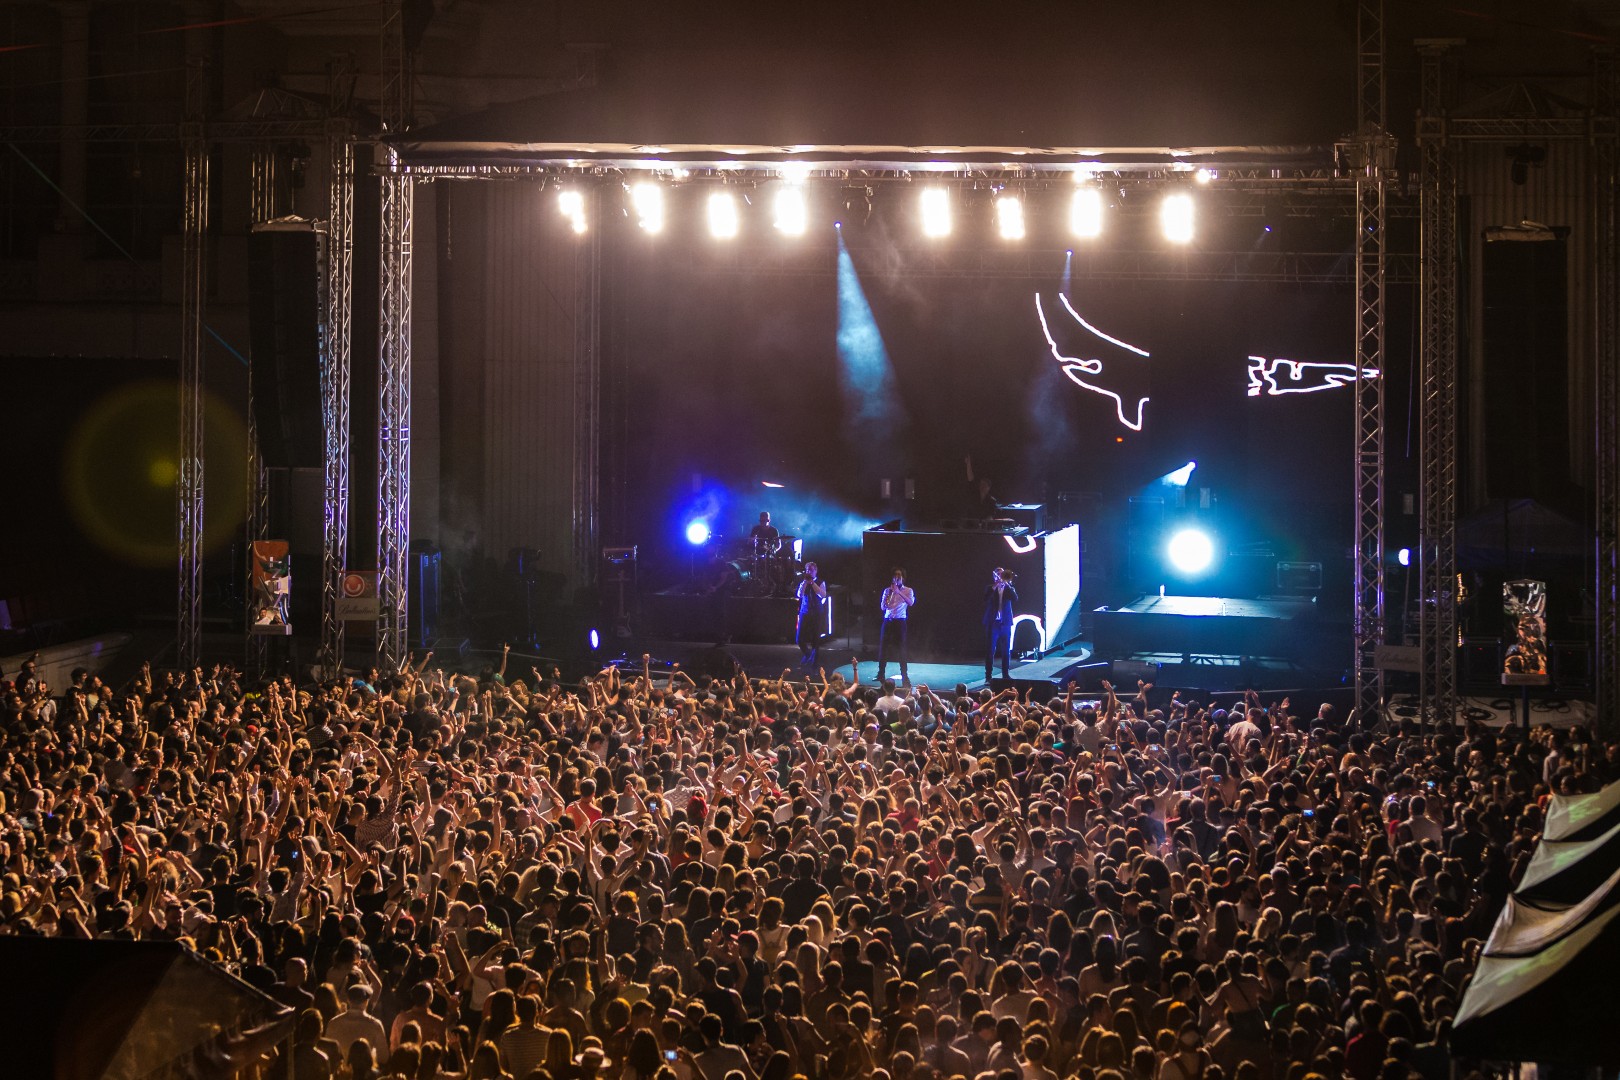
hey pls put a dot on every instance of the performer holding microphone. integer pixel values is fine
(999, 598)
(812, 631)
(897, 602)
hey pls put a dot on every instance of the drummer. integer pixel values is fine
(765, 535)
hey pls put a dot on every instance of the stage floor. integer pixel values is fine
(1221, 606)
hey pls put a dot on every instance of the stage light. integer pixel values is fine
(1086, 212)
(771, 484)
(1010, 217)
(648, 200)
(1404, 556)
(572, 204)
(594, 639)
(1179, 477)
(792, 210)
(1203, 176)
(935, 204)
(724, 221)
(1191, 551)
(697, 532)
(1176, 217)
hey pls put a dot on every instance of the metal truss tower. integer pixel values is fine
(1437, 545)
(335, 385)
(193, 296)
(1372, 157)
(588, 397)
(1604, 132)
(394, 362)
(263, 209)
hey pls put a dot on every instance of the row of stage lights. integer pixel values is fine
(790, 206)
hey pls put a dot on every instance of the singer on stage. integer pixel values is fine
(999, 599)
(898, 600)
(812, 594)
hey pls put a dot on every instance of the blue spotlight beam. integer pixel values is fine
(866, 374)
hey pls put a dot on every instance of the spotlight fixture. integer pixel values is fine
(572, 204)
(1191, 551)
(1176, 217)
(724, 220)
(935, 203)
(792, 210)
(1086, 212)
(698, 532)
(1204, 176)
(648, 200)
(1010, 217)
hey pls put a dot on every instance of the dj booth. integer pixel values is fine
(950, 570)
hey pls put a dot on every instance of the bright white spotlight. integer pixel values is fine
(792, 210)
(697, 532)
(724, 221)
(572, 204)
(1203, 176)
(648, 200)
(1010, 217)
(1180, 476)
(1176, 217)
(1086, 212)
(1191, 551)
(1404, 556)
(935, 203)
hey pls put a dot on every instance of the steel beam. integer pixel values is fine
(394, 366)
(588, 395)
(1606, 356)
(335, 388)
(1373, 149)
(193, 296)
(1437, 408)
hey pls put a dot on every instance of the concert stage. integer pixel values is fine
(1193, 626)
(950, 569)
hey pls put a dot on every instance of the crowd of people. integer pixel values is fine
(483, 876)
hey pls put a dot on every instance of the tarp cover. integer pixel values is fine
(1525, 927)
(1567, 872)
(1546, 1007)
(1581, 817)
(120, 1010)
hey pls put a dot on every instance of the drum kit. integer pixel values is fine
(758, 566)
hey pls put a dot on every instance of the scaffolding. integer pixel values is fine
(193, 298)
(587, 397)
(1438, 389)
(1604, 129)
(263, 193)
(335, 387)
(394, 360)
(1371, 154)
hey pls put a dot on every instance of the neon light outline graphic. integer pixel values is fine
(1263, 376)
(1074, 367)
(1012, 542)
(1040, 628)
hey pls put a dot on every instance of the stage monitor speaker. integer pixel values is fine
(286, 329)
